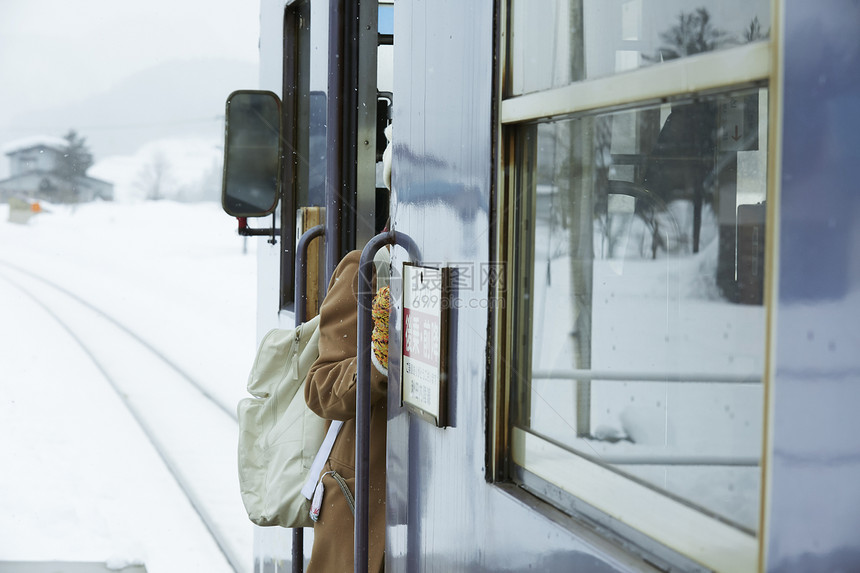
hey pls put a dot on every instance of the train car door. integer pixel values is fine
(326, 70)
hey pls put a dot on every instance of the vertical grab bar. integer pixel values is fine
(302, 269)
(298, 554)
(362, 390)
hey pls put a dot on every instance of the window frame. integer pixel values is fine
(297, 182)
(603, 495)
(293, 82)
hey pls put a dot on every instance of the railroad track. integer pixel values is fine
(191, 430)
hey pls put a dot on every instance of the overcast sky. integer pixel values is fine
(56, 51)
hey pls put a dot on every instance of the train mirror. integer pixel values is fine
(252, 154)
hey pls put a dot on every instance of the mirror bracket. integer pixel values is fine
(246, 231)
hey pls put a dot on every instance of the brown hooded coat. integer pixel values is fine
(330, 392)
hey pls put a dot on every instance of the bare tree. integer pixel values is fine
(155, 177)
(694, 33)
(754, 32)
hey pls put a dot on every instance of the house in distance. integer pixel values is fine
(52, 169)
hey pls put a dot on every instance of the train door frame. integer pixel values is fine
(350, 182)
(351, 125)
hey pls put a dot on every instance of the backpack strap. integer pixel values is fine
(321, 458)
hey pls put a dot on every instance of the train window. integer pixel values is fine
(596, 38)
(633, 343)
(305, 84)
(385, 23)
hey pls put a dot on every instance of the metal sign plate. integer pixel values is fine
(424, 376)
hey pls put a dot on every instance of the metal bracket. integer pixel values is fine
(246, 231)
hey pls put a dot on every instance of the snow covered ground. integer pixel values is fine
(80, 482)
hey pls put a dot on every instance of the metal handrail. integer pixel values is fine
(644, 376)
(302, 269)
(362, 394)
(632, 454)
(298, 554)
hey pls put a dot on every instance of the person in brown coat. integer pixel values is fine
(330, 392)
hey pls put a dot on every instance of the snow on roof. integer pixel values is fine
(34, 141)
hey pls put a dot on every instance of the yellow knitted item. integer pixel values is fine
(379, 337)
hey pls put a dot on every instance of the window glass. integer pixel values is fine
(312, 81)
(596, 38)
(642, 261)
(385, 24)
(304, 97)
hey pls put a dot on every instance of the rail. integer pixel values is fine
(168, 452)
(362, 397)
(645, 376)
(298, 554)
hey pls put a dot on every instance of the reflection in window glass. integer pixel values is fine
(597, 38)
(311, 81)
(304, 135)
(644, 308)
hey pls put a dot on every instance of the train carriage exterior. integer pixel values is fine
(649, 214)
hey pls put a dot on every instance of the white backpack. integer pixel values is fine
(279, 436)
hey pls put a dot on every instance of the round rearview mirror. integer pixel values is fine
(252, 154)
